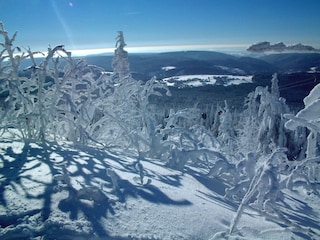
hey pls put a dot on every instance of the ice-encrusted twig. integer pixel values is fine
(140, 169)
(297, 173)
(114, 179)
(248, 195)
(266, 183)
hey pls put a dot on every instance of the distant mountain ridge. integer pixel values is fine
(144, 66)
(294, 62)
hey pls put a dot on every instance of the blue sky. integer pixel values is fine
(81, 24)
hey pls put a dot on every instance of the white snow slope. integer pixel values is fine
(61, 192)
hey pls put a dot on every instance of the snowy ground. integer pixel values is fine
(61, 192)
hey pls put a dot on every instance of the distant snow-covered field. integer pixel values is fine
(185, 81)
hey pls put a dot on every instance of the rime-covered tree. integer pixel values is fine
(309, 117)
(263, 119)
(126, 118)
(226, 130)
(275, 87)
(120, 62)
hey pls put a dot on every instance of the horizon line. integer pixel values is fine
(164, 48)
(227, 48)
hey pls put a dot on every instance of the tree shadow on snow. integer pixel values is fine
(217, 190)
(95, 194)
(11, 169)
(19, 180)
(212, 184)
(93, 209)
(16, 173)
(149, 193)
(300, 213)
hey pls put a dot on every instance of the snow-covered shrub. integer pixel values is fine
(264, 190)
(244, 172)
(43, 91)
(181, 144)
(259, 131)
(28, 102)
(268, 181)
(297, 143)
(79, 89)
(303, 175)
(15, 104)
(174, 140)
(53, 98)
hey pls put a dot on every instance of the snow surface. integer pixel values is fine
(184, 81)
(168, 68)
(37, 199)
(313, 70)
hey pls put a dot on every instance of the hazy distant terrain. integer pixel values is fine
(297, 73)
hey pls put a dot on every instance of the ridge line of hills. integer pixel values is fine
(146, 65)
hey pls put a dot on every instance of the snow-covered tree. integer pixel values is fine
(275, 86)
(263, 121)
(309, 117)
(126, 117)
(226, 130)
(305, 172)
(120, 62)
